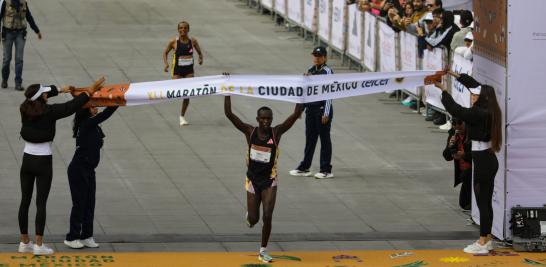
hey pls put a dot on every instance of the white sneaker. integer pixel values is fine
(74, 243)
(183, 121)
(89, 242)
(490, 245)
(297, 172)
(42, 250)
(26, 248)
(476, 248)
(446, 127)
(324, 175)
(407, 100)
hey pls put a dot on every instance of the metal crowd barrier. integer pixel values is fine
(321, 19)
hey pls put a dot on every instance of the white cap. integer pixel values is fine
(469, 36)
(43, 89)
(475, 91)
(428, 16)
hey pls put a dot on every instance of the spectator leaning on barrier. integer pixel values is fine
(434, 4)
(444, 32)
(458, 149)
(318, 122)
(410, 24)
(396, 18)
(427, 29)
(14, 15)
(466, 51)
(465, 20)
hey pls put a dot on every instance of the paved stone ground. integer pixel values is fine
(162, 187)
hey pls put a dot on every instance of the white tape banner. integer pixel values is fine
(433, 59)
(369, 41)
(338, 24)
(267, 4)
(324, 20)
(290, 88)
(460, 94)
(408, 55)
(280, 7)
(294, 11)
(387, 43)
(354, 32)
(310, 15)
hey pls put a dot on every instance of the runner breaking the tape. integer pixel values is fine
(182, 62)
(261, 176)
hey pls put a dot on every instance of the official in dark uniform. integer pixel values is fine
(81, 175)
(318, 122)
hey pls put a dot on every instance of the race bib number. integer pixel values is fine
(185, 61)
(260, 153)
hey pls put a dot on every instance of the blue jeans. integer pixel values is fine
(11, 37)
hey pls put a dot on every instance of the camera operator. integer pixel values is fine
(458, 149)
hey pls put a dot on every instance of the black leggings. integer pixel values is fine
(37, 168)
(485, 169)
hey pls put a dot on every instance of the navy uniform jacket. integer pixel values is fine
(325, 105)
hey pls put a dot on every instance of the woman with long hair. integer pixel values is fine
(484, 123)
(38, 120)
(81, 175)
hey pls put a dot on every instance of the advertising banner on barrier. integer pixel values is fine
(280, 7)
(267, 4)
(324, 20)
(354, 33)
(294, 11)
(338, 24)
(387, 51)
(310, 15)
(408, 56)
(525, 114)
(370, 22)
(460, 94)
(290, 88)
(433, 60)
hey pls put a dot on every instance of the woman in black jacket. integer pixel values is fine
(81, 175)
(483, 121)
(38, 130)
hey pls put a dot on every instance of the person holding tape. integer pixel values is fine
(182, 63)
(81, 174)
(484, 127)
(261, 175)
(318, 122)
(38, 120)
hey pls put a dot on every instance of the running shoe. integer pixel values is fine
(264, 256)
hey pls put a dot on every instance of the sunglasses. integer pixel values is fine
(430, 5)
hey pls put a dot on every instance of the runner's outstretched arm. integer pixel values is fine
(287, 124)
(243, 127)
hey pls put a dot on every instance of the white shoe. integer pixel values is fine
(74, 243)
(26, 248)
(407, 100)
(490, 245)
(183, 121)
(42, 250)
(297, 172)
(89, 242)
(476, 248)
(324, 175)
(446, 126)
